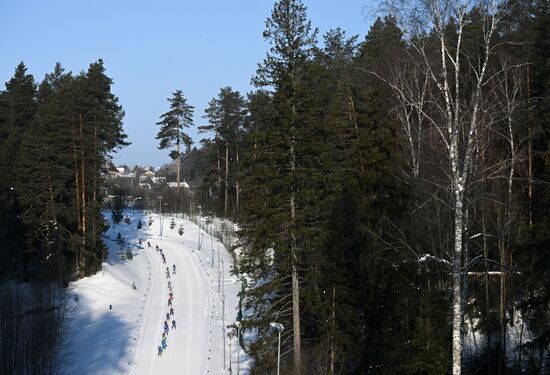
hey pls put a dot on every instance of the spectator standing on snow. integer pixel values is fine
(174, 324)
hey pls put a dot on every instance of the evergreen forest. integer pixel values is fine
(392, 194)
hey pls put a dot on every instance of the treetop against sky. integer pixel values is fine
(153, 49)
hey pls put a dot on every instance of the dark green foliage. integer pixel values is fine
(372, 225)
(117, 208)
(226, 116)
(172, 136)
(173, 123)
(17, 108)
(56, 142)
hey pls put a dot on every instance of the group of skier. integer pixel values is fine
(161, 254)
(170, 314)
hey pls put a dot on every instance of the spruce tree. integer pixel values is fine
(276, 177)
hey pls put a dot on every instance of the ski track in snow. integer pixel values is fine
(127, 341)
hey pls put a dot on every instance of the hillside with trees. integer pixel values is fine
(56, 137)
(392, 193)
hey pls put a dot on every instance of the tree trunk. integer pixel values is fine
(226, 182)
(294, 265)
(219, 172)
(237, 179)
(529, 154)
(83, 180)
(178, 166)
(353, 117)
(296, 312)
(77, 192)
(457, 277)
(465, 251)
(94, 193)
(502, 310)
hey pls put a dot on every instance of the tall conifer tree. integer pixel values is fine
(172, 130)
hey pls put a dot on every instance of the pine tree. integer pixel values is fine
(43, 177)
(77, 124)
(172, 126)
(17, 109)
(108, 136)
(226, 115)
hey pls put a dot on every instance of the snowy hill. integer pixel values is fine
(115, 328)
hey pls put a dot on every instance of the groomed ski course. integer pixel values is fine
(124, 339)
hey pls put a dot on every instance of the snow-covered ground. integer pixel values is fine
(124, 339)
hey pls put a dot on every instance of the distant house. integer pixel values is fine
(174, 185)
(122, 177)
(158, 180)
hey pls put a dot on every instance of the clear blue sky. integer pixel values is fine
(152, 48)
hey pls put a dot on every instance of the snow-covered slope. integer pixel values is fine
(124, 339)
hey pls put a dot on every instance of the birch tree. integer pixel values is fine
(435, 31)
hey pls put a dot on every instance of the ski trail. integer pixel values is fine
(185, 352)
(124, 339)
(145, 313)
(152, 324)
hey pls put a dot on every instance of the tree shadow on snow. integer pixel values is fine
(101, 342)
(111, 337)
